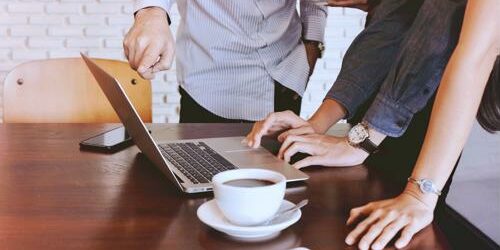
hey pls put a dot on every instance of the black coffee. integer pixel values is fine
(249, 183)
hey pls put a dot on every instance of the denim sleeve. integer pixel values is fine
(371, 54)
(418, 68)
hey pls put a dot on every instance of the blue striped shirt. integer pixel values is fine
(230, 52)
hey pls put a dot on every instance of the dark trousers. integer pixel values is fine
(192, 112)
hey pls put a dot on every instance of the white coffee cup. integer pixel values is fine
(249, 206)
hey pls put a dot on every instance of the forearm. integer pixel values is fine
(329, 113)
(452, 118)
(459, 94)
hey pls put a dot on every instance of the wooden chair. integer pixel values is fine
(64, 91)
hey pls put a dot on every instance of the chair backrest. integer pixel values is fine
(64, 91)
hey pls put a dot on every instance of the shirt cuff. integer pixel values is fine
(141, 4)
(347, 94)
(313, 19)
(388, 117)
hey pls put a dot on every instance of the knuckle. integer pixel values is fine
(363, 224)
(310, 129)
(404, 217)
(390, 228)
(383, 239)
(142, 42)
(413, 221)
(378, 211)
(374, 230)
(392, 213)
(353, 211)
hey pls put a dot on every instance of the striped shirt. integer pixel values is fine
(230, 52)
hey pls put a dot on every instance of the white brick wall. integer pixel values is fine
(31, 30)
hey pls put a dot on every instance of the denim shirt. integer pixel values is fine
(397, 62)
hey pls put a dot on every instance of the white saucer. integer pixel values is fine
(210, 214)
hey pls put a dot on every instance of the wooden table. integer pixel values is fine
(54, 196)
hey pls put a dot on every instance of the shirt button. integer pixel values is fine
(400, 123)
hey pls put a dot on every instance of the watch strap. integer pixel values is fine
(368, 146)
(318, 44)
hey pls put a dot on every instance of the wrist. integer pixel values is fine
(329, 113)
(318, 126)
(315, 47)
(153, 10)
(430, 200)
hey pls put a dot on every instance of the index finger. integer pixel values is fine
(261, 131)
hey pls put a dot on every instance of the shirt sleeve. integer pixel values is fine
(313, 19)
(371, 55)
(164, 4)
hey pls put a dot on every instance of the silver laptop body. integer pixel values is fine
(169, 162)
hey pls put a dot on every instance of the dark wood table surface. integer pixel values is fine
(55, 196)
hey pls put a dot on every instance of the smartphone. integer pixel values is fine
(108, 142)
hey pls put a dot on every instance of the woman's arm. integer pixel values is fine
(456, 105)
(460, 92)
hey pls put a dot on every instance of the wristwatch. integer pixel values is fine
(321, 47)
(426, 186)
(359, 137)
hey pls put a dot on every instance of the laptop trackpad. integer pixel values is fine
(239, 154)
(254, 157)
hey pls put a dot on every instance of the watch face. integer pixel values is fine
(357, 134)
(426, 186)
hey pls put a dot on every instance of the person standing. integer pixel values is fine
(237, 60)
(386, 88)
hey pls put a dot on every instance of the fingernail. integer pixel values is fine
(349, 241)
(399, 244)
(376, 246)
(363, 246)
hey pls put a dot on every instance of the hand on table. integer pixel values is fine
(149, 44)
(384, 219)
(277, 122)
(325, 150)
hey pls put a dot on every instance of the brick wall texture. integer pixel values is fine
(32, 30)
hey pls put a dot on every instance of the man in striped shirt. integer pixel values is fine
(237, 60)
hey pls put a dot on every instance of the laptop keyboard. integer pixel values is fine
(196, 160)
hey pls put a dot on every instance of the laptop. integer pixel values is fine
(188, 164)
